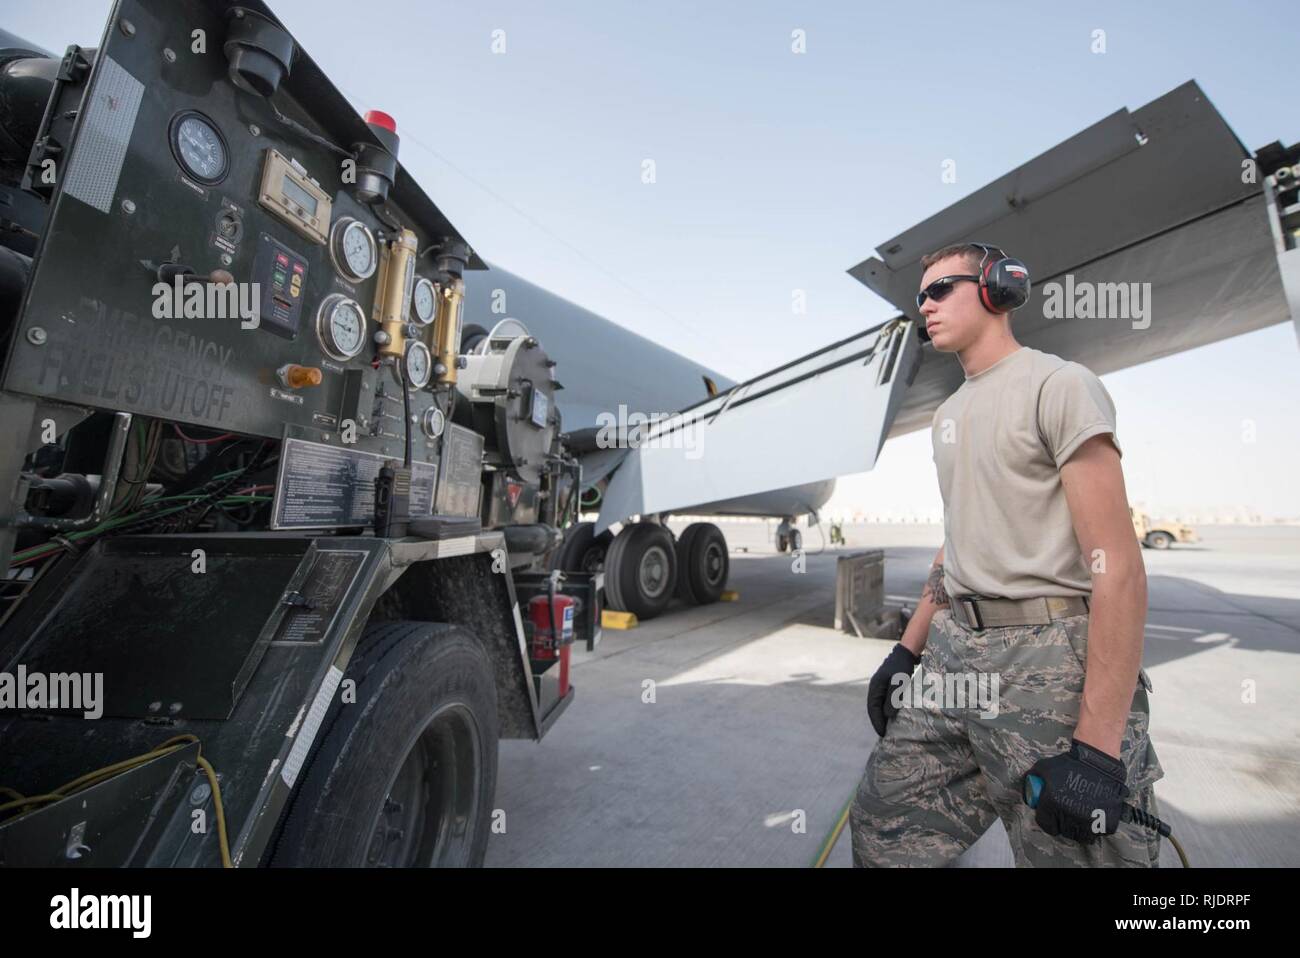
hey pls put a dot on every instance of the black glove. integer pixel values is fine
(879, 707)
(1076, 784)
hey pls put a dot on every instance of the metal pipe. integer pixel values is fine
(121, 431)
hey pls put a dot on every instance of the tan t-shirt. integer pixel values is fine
(999, 443)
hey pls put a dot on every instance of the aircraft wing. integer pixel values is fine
(1162, 196)
(821, 416)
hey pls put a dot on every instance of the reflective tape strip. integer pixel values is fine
(315, 715)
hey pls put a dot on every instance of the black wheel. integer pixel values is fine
(702, 563)
(582, 550)
(405, 775)
(796, 540)
(1159, 540)
(782, 542)
(641, 570)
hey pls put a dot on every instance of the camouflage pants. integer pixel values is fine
(940, 776)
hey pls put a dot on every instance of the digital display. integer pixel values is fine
(300, 196)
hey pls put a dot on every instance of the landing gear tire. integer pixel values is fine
(640, 570)
(582, 550)
(702, 564)
(405, 775)
(1159, 540)
(787, 536)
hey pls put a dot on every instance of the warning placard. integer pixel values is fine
(325, 487)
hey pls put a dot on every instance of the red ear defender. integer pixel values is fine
(984, 286)
(1004, 282)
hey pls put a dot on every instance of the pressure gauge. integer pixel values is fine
(340, 327)
(433, 422)
(199, 147)
(424, 299)
(353, 249)
(417, 364)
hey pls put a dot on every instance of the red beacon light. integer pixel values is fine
(377, 165)
(381, 119)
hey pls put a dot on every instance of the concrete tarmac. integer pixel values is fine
(734, 734)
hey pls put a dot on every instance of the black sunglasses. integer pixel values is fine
(940, 288)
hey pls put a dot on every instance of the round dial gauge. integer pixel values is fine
(417, 364)
(424, 299)
(353, 249)
(340, 327)
(433, 422)
(199, 148)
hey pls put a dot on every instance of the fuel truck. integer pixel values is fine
(266, 521)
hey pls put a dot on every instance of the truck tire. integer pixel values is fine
(406, 775)
(582, 550)
(641, 570)
(1159, 540)
(702, 563)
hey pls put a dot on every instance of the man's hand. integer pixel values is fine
(1083, 793)
(880, 708)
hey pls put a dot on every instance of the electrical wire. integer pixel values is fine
(146, 441)
(832, 836)
(99, 775)
(202, 442)
(213, 490)
(48, 549)
(265, 487)
(308, 134)
(148, 511)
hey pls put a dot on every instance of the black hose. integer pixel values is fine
(406, 419)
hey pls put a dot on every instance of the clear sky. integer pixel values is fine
(777, 171)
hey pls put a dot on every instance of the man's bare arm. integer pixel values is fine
(933, 598)
(1094, 490)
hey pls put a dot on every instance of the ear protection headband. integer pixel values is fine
(1004, 282)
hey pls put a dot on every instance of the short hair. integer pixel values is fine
(974, 254)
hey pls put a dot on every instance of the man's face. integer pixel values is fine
(959, 318)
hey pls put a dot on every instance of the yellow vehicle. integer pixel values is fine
(1160, 533)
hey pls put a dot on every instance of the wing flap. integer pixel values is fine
(1159, 201)
(819, 417)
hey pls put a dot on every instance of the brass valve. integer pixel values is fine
(395, 284)
(446, 330)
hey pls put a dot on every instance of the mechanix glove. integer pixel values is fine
(880, 707)
(1080, 786)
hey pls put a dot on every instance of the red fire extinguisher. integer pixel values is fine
(552, 614)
